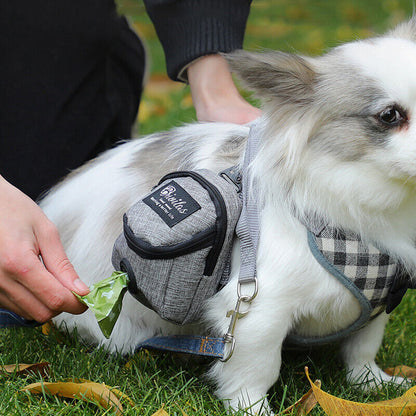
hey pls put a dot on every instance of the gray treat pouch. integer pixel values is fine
(176, 243)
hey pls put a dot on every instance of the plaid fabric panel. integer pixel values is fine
(369, 269)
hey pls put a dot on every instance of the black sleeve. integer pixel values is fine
(189, 29)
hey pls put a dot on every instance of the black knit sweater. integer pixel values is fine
(189, 29)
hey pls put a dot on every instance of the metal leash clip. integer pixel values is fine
(236, 314)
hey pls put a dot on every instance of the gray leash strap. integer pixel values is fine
(247, 231)
(248, 225)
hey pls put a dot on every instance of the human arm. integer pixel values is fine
(214, 93)
(192, 33)
(34, 287)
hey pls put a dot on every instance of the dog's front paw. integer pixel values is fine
(371, 376)
(248, 405)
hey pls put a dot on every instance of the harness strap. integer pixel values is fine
(10, 319)
(196, 345)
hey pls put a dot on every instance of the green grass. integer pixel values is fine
(151, 380)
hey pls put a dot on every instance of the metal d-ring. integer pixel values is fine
(247, 298)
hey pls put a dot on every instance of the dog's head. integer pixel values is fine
(345, 119)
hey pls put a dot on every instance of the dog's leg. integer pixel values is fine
(359, 352)
(243, 381)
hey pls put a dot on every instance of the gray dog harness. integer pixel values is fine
(375, 279)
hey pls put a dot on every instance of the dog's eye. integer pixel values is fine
(392, 116)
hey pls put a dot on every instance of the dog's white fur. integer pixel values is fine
(323, 150)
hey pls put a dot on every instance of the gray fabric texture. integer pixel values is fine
(151, 228)
(248, 228)
(177, 287)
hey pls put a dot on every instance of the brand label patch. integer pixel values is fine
(172, 203)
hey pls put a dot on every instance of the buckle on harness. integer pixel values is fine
(236, 314)
(233, 176)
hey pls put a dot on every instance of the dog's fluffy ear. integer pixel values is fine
(405, 30)
(273, 76)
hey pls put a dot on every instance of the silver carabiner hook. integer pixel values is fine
(228, 339)
(236, 314)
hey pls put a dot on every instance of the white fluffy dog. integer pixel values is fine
(338, 142)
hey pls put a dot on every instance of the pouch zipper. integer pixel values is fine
(203, 239)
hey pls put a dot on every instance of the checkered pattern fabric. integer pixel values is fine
(363, 264)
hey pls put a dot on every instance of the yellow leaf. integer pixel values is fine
(404, 405)
(143, 356)
(145, 111)
(402, 371)
(87, 391)
(149, 108)
(43, 369)
(161, 412)
(160, 85)
(187, 102)
(46, 328)
(305, 404)
(122, 396)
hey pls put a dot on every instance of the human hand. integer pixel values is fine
(34, 287)
(214, 93)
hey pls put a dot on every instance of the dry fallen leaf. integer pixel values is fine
(43, 368)
(187, 101)
(305, 404)
(160, 85)
(122, 396)
(404, 405)
(49, 329)
(149, 108)
(87, 391)
(157, 97)
(402, 371)
(161, 412)
(46, 328)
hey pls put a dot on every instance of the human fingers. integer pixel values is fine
(55, 260)
(29, 286)
(21, 221)
(19, 300)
